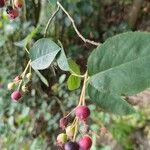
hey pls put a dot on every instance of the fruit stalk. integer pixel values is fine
(82, 96)
(23, 74)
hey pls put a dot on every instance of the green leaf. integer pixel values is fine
(74, 68)
(110, 102)
(43, 53)
(62, 60)
(73, 82)
(120, 66)
(42, 78)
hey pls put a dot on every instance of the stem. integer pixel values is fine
(76, 129)
(26, 50)
(30, 69)
(25, 10)
(70, 112)
(60, 104)
(50, 20)
(80, 76)
(74, 122)
(12, 1)
(75, 28)
(23, 74)
(82, 96)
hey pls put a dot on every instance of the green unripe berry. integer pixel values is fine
(24, 88)
(61, 139)
(70, 131)
(11, 86)
(29, 76)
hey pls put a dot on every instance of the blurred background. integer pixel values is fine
(32, 124)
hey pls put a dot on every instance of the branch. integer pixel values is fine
(75, 28)
(50, 20)
(134, 13)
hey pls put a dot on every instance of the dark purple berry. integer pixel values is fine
(71, 146)
(2, 3)
(9, 9)
(63, 122)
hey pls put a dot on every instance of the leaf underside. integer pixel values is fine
(62, 61)
(43, 53)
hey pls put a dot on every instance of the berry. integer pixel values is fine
(29, 76)
(70, 131)
(61, 139)
(71, 146)
(18, 3)
(10, 85)
(16, 95)
(2, 3)
(63, 122)
(17, 79)
(85, 143)
(82, 112)
(14, 14)
(9, 9)
(24, 88)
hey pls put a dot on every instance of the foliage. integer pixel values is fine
(31, 123)
(119, 67)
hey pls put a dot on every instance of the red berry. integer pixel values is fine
(71, 146)
(63, 122)
(13, 14)
(2, 3)
(82, 112)
(85, 143)
(16, 95)
(18, 3)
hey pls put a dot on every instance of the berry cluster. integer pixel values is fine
(67, 140)
(13, 9)
(19, 83)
